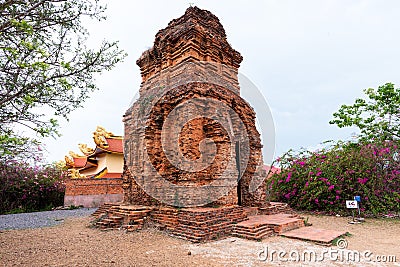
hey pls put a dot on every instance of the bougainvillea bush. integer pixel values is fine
(24, 188)
(324, 180)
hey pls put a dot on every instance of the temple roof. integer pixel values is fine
(115, 145)
(112, 144)
(106, 142)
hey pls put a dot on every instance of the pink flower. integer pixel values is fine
(302, 163)
(316, 200)
(385, 150)
(337, 197)
(362, 181)
(288, 177)
(287, 195)
(331, 187)
(318, 173)
(306, 184)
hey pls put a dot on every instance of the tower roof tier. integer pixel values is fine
(196, 36)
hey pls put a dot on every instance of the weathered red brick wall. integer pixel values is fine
(93, 192)
(144, 151)
(199, 224)
(191, 59)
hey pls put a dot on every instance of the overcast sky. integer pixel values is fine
(306, 57)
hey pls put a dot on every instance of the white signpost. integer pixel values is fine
(352, 204)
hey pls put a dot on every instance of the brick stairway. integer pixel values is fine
(102, 210)
(258, 227)
(128, 217)
(202, 224)
(194, 224)
(111, 222)
(254, 232)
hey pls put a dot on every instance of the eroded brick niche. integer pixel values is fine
(190, 135)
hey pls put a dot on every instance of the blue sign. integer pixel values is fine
(357, 198)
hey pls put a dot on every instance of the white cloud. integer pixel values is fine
(307, 58)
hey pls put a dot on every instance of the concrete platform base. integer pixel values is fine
(314, 234)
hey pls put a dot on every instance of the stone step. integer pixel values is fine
(134, 208)
(317, 235)
(103, 209)
(116, 218)
(258, 236)
(101, 223)
(107, 220)
(253, 231)
(257, 231)
(261, 226)
(202, 223)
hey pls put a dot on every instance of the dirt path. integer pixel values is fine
(74, 244)
(381, 236)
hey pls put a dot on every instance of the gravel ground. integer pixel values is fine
(73, 243)
(40, 219)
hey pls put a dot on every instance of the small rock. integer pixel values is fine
(189, 253)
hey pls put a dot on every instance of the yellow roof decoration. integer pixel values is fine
(85, 149)
(69, 161)
(75, 155)
(100, 136)
(75, 174)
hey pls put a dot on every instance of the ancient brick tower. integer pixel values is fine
(190, 139)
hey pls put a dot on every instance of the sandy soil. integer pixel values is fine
(75, 244)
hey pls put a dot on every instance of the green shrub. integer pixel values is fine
(24, 188)
(324, 180)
